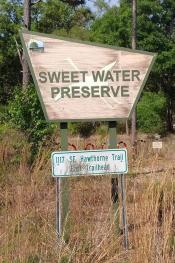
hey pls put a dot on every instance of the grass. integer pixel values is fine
(27, 208)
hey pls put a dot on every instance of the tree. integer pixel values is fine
(78, 26)
(10, 68)
(157, 23)
(151, 113)
(27, 9)
(155, 33)
(134, 44)
(101, 6)
(113, 27)
(27, 25)
(11, 20)
(54, 15)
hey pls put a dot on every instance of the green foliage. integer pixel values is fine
(10, 19)
(113, 27)
(101, 6)
(77, 27)
(54, 14)
(105, 28)
(3, 114)
(151, 113)
(47, 16)
(82, 17)
(75, 32)
(26, 114)
(155, 33)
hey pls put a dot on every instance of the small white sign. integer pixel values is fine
(157, 145)
(96, 162)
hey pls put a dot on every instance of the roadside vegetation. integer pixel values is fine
(27, 208)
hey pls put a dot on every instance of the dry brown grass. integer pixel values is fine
(27, 209)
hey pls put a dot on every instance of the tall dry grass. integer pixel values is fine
(27, 209)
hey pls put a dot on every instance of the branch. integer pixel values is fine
(18, 50)
(34, 3)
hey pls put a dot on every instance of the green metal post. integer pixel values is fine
(114, 181)
(62, 188)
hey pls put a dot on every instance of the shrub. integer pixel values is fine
(151, 113)
(25, 113)
(3, 114)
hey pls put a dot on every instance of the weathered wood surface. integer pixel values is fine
(56, 56)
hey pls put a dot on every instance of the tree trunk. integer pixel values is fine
(27, 25)
(134, 30)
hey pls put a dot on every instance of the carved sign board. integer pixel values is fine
(96, 162)
(83, 81)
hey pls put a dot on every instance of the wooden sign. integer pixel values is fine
(85, 81)
(78, 163)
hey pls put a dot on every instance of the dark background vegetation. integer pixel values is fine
(110, 25)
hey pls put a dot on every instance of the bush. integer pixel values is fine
(3, 114)
(84, 129)
(25, 113)
(151, 113)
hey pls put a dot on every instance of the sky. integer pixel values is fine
(90, 3)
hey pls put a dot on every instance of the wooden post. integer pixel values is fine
(114, 181)
(62, 188)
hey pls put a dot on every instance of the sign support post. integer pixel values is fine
(62, 187)
(116, 184)
(124, 214)
(58, 230)
(114, 181)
